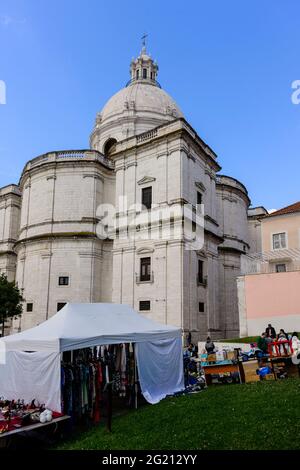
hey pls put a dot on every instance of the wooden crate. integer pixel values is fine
(269, 377)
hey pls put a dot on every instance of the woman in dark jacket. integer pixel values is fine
(209, 346)
(282, 335)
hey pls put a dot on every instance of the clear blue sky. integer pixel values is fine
(228, 64)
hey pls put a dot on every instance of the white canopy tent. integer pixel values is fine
(30, 361)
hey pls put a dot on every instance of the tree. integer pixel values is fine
(10, 300)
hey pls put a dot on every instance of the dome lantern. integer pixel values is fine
(143, 69)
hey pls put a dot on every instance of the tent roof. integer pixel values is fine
(85, 325)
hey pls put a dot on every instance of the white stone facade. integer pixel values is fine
(140, 140)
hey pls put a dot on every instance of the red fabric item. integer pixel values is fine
(10, 425)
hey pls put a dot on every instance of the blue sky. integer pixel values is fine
(228, 64)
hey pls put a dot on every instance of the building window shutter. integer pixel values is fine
(145, 274)
(280, 268)
(200, 271)
(199, 197)
(279, 241)
(147, 197)
(144, 305)
(63, 281)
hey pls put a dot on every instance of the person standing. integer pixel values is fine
(209, 346)
(262, 343)
(270, 331)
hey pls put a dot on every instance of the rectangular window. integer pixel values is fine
(29, 307)
(200, 276)
(144, 305)
(63, 281)
(60, 305)
(279, 240)
(201, 307)
(147, 197)
(199, 198)
(145, 273)
(144, 73)
(280, 268)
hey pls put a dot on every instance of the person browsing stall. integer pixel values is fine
(209, 346)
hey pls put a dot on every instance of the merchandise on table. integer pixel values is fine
(15, 414)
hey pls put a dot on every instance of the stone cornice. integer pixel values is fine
(200, 186)
(210, 219)
(179, 127)
(211, 234)
(144, 250)
(146, 180)
(70, 158)
(53, 236)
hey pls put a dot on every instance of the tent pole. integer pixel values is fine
(109, 406)
(135, 380)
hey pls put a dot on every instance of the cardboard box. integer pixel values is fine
(211, 358)
(251, 378)
(230, 355)
(269, 377)
(220, 356)
(250, 368)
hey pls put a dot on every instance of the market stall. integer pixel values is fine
(249, 364)
(30, 363)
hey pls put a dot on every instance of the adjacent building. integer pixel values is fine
(269, 288)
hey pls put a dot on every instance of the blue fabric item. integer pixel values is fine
(160, 366)
(264, 371)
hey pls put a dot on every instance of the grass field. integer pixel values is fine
(264, 415)
(248, 340)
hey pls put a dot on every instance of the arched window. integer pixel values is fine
(108, 146)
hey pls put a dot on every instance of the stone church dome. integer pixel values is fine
(140, 106)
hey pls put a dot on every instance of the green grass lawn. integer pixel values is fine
(248, 340)
(263, 415)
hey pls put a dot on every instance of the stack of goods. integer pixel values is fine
(15, 414)
(85, 377)
(219, 357)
